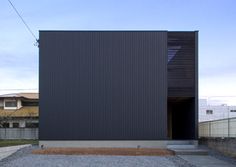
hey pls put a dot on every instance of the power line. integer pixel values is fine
(216, 96)
(18, 89)
(28, 28)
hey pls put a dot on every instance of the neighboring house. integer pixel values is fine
(210, 112)
(19, 110)
(118, 88)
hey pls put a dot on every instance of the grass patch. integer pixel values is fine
(106, 151)
(5, 143)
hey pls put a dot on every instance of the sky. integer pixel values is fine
(214, 19)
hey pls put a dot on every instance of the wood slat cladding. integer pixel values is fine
(183, 85)
(103, 85)
(181, 64)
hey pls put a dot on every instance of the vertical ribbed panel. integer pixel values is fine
(103, 85)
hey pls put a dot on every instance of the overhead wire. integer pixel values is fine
(34, 36)
(24, 22)
(18, 89)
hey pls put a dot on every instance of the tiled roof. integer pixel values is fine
(24, 95)
(22, 112)
(29, 95)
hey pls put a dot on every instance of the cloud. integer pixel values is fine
(221, 85)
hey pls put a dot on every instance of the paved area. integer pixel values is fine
(205, 161)
(24, 158)
(85, 161)
(7, 151)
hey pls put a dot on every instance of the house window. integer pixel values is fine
(30, 103)
(209, 111)
(5, 125)
(11, 103)
(32, 125)
(15, 125)
(232, 110)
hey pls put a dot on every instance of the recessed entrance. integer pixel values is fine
(181, 118)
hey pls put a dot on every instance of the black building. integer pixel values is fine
(118, 85)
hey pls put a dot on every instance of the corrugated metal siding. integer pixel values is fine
(103, 85)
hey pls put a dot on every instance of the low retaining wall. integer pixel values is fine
(114, 143)
(104, 143)
(227, 146)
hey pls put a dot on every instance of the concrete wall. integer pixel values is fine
(219, 135)
(105, 143)
(115, 143)
(227, 146)
(218, 128)
(18, 133)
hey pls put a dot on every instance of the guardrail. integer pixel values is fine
(218, 128)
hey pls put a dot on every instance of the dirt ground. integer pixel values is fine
(105, 151)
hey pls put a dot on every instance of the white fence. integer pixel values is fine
(218, 128)
(18, 133)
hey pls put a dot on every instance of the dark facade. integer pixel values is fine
(118, 85)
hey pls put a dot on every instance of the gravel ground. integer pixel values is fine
(24, 158)
(220, 156)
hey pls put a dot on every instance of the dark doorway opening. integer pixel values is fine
(181, 118)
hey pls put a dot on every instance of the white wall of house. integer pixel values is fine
(19, 103)
(1, 103)
(22, 122)
(218, 111)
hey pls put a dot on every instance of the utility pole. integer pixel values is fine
(228, 108)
